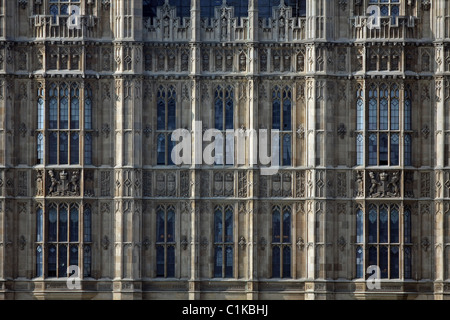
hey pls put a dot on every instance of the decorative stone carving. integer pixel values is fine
(242, 242)
(341, 131)
(300, 243)
(146, 243)
(360, 184)
(342, 243)
(184, 242)
(23, 3)
(63, 185)
(105, 243)
(383, 186)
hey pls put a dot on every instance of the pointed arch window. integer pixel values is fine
(223, 242)
(166, 123)
(59, 138)
(60, 246)
(165, 241)
(388, 120)
(282, 121)
(149, 7)
(281, 242)
(383, 240)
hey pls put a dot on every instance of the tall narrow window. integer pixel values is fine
(165, 241)
(383, 239)
(384, 126)
(223, 121)
(223, 242)
(281, 242)
(166, 123)
(64, 124)
(282, 121)
(60, 245)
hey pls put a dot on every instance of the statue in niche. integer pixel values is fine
(281, 27)
(166, 31)
(224, 28)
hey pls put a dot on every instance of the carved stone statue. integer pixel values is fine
(384, 187)
(360, 184)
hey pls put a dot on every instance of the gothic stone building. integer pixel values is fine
(87, 178)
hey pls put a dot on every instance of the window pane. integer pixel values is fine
(62, 234)
(360, 115)
(75, 114)
(74, 148)
(52, 217)
(229, 225)
(287, 147)
(160, 226)
(40, 148)
(286, 262)
(39, 225)
(171, 261)
(88, 114)
(229, 111)
(88, 149)
(276, 259)
(64, 114)
(394, 114)
(87, 261)
(394, 263)
(394, 150)
(53, 114)
(359, 263)
(407, 114)
(373, 225)
(218, 262)
(63, 148)
(39, 261)
(287, 126)
(373, 259)
(373, 151)
(161, 115)
(276, 226)
(373, 114)
(41, 114)
(394, 225)
(286, 226)
(383, 225)
(74, 224)
(359, 150)
(408, 150)
(218, 228)
(62, 260)
(384, 262)
(73, 257)
(229, 262)
(161, 150)
(207, 7)
(160, 261)
(87, 224)
(51, 261)
(171, 124)
(359, 226)
(276, 115)
(218, 110)
(407, 262)
(384, 145)
(170, 226)
(53, 148)
(407, 226)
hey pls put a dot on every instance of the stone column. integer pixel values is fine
(197, 152)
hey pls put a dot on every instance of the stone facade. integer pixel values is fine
(325, 61)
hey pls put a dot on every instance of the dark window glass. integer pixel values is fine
(149, 7)
(286, 262)
(276, 268)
